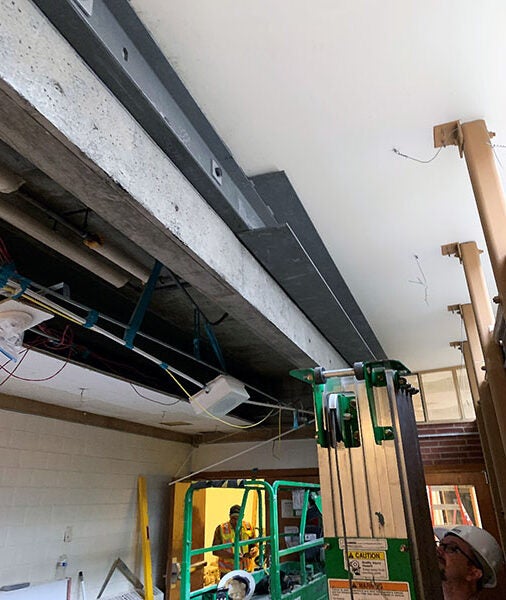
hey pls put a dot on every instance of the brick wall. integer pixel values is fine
(55, 475)
(455, 443)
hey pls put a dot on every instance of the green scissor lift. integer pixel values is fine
(309, 576)
(378, 535)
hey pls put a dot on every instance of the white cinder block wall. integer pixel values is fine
(56, 475)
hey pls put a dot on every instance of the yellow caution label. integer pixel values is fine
(366, 555)
(368, 564)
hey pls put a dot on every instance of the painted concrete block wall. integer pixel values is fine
(55, 475)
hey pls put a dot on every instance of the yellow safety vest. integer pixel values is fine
(227, 537)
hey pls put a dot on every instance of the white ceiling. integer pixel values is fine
(324, 90)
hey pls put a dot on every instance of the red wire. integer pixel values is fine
(4, 252)
(11, 374)
(152, 399)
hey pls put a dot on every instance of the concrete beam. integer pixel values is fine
(56, 113)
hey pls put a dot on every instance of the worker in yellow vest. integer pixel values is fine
(225, 534)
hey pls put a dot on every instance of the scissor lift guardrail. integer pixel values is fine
(312, 586)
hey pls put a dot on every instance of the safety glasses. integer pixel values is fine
(454, 549)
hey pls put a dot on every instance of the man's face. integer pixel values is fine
(455, 559)
(233, 520)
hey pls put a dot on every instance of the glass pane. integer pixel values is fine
(453, 505)
(417, 399)
(440, 396)
(465, 394)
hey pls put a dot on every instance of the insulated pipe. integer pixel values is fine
(94, 242)
(118, 257)
(11, 182)
(50, 238)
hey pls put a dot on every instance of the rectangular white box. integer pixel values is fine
(223, 394)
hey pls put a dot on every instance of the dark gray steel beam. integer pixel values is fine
(298, 259)
(282, 254)
(111, 39)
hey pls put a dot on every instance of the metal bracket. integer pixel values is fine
(449, 134)
(455, 308)
(86, 6)
(116, 45)
(452, 249)
(455, 249)
(456, 344)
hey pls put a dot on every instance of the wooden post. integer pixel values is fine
(469, 255)
(489, 195)
(486, 420)
(473, 141)
(493, 449)
(495, 459)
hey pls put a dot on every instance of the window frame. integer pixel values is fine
(455, 378)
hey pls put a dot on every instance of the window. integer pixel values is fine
(453, 505)
(444, 396)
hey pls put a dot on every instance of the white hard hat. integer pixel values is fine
(240, 576)
(487, 550)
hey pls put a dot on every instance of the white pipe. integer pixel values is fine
(120, 258)
(9, 181)
(21, 220)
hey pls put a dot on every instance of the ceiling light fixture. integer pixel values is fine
(220, 396)
(15, 288)
(15, 319)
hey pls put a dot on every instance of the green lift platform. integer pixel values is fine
(378, 535)
(377, 541)
(292, 571)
